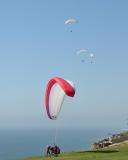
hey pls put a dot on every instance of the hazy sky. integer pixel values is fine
(36, 45)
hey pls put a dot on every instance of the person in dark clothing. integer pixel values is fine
(48, 151)
(52, 151)
(56, 150)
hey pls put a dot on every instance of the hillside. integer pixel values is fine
(111, 148)
(111, 153)
(116, 139)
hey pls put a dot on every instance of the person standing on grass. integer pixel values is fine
(48, 151)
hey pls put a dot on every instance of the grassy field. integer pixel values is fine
(112, 153)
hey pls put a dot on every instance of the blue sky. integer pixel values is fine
(36, 45)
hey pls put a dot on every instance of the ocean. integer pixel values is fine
(18, 143)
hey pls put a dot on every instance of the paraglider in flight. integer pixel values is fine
(92, 56)
(56, 90)
(81, 51)
(71, 21)
(85, 54)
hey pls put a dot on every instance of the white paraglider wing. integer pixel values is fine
(85, 54)
(81, 51)
(56, 99)
(71, 21)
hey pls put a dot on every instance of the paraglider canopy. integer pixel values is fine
(85, 54)
(81, 51)
(56, 90)
(71, 21)
(92, 56)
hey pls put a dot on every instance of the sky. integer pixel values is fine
(36, 45)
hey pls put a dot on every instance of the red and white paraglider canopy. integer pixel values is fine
(56, 90)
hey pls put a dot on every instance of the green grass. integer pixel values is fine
(113, 153)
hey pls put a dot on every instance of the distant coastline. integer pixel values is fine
(114, 140)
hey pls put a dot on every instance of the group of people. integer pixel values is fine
(52, 151)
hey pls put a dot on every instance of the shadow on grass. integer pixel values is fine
(99, 151)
